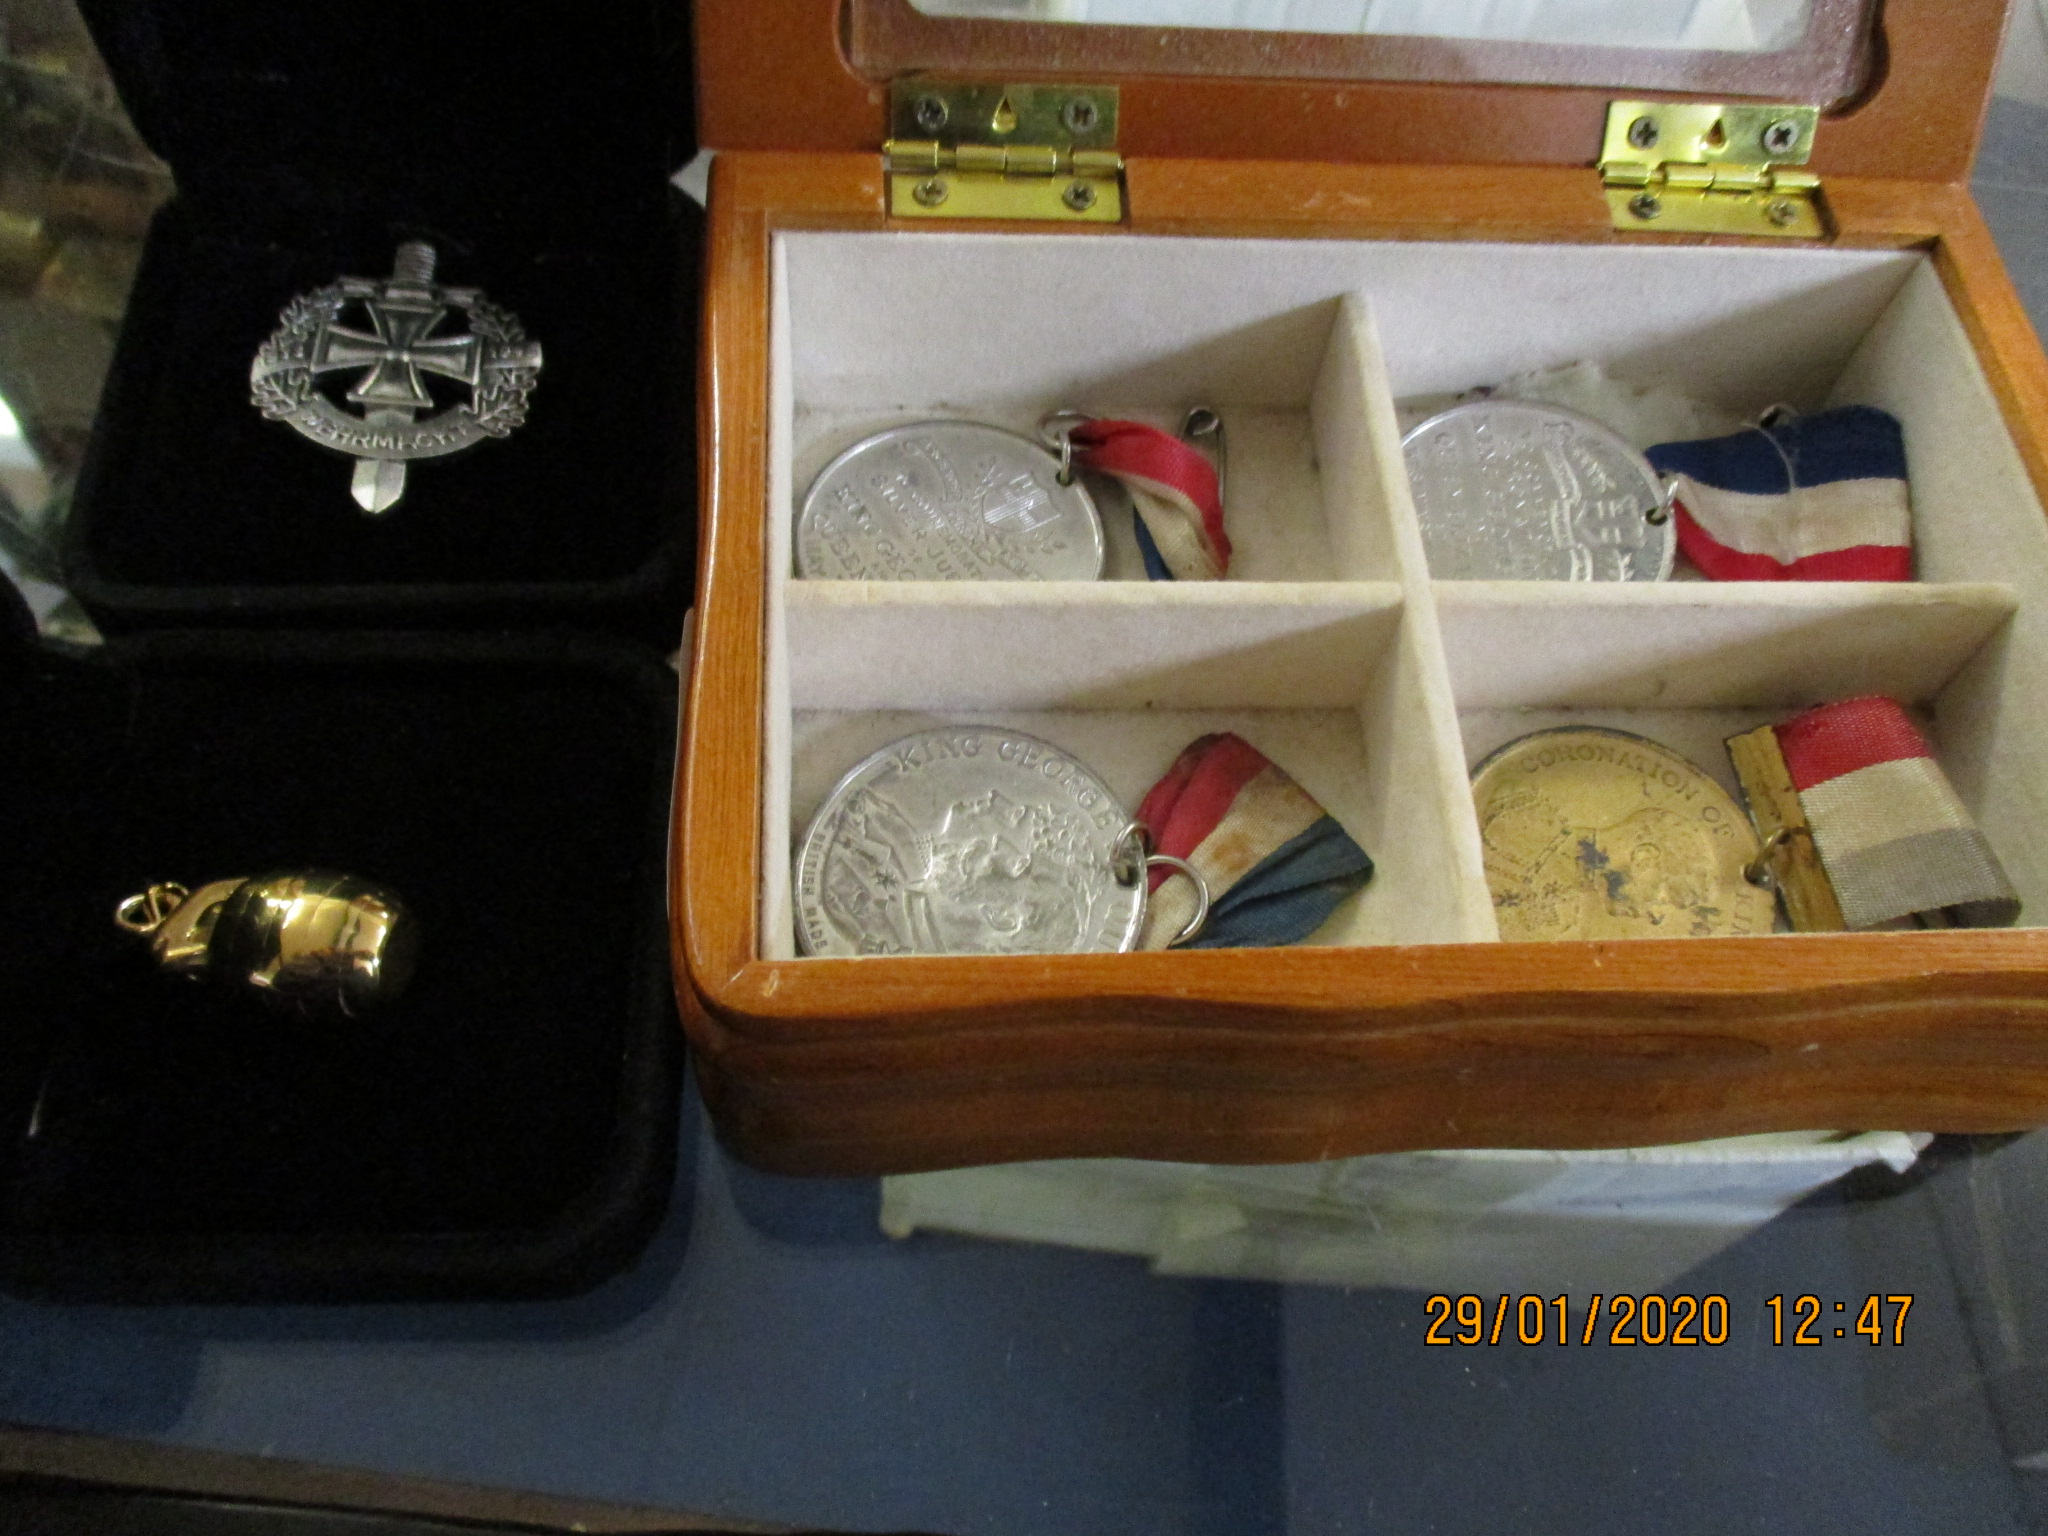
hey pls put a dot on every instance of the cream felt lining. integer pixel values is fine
(1975, 518)
(1416, 771)
(1083, 645)
(1703, 644)
(1329, 647)
(993, 321)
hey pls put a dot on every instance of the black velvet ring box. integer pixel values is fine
(530, 145)
(455, 699)
(506, 1128)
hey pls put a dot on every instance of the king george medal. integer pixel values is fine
(388, 365)
(968, 840)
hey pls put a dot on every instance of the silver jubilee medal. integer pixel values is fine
(948, 501)
(1507, 490)
(973, 840)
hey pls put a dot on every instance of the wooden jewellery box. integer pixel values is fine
(1299, 232)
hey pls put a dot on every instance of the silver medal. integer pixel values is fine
(947, 501)
(1506, 490)
(970, 840)
(400, 420)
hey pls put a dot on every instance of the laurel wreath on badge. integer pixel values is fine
(494, 358)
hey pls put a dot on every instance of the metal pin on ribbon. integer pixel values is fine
(1176, 490)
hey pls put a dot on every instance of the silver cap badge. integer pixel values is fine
(404, 312)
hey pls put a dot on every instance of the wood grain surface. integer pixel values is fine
(773, 74)
(877, 1065)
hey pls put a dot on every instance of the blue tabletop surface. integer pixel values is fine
(774, 1357)
(782, 1360)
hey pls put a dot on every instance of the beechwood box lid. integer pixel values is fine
(1905, 85)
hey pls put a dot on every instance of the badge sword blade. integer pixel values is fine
(379, 483)
(401, 418)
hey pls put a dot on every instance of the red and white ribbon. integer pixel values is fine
(1892, 834)
(1174, 489)
(1276, 863)
(1814, 498)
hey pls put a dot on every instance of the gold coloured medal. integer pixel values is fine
(1598, 834)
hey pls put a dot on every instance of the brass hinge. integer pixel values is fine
(1701, 168)
(967, 151)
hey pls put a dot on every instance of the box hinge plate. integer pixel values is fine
(1700, 168)
(958, 150)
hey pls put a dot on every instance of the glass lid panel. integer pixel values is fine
(1732, 26)
(1813, 51)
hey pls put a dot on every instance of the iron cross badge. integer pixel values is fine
(493, 359)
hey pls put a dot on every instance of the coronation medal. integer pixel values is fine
(975, 840)
(948, 501)
(1597, 834)
(1506, 490)
(494, 360)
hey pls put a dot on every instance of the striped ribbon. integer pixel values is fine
(1892, 835)
(1275, 861)
(1813, 498)
(1179, 509)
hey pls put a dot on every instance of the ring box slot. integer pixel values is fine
(306, 149)
(505, 1128)
(459, 699)
(198, 508)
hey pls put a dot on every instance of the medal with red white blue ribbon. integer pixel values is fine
(1176, 492)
